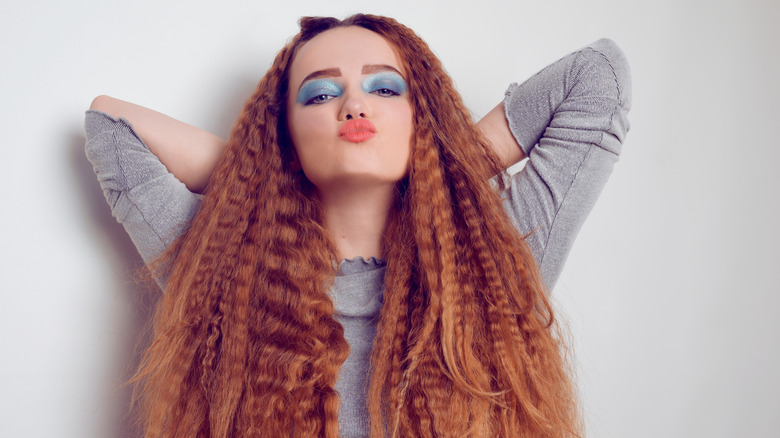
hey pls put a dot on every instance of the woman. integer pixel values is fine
(351, 269)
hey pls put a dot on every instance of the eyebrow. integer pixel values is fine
(326, 73)
(334, 72)
(375, 68)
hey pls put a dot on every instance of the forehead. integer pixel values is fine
(346, 48)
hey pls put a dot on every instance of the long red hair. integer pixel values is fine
(245, 342)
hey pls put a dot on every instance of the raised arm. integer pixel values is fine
(153, 205)
(570, 120)
(189, 153)
(495, 128)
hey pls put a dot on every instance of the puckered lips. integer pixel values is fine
(357, 130)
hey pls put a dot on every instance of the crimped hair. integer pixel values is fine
(245, 343)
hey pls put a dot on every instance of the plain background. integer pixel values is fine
(671, 293)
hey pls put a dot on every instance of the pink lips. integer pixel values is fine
(357, 130)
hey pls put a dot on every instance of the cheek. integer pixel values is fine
(305, 128)
(309, 133)
(405, 128)
(399, 152)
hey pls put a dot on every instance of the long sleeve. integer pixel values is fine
(570, 119)
(154, 207)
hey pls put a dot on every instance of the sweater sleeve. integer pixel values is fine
(570, 119)
(153, 206)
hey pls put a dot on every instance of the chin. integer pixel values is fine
(357, 180)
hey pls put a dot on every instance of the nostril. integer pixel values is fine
(349, 116)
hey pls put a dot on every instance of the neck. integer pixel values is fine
(356, 218)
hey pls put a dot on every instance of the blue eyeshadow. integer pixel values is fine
(386, 79)
(318, 87)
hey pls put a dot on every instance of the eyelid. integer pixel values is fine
(318, 87)
(387, 79)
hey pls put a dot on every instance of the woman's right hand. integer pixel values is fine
(189, 153)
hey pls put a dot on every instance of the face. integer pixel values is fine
(348, 110)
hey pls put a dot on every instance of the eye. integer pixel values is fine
(385, 92)
(318, 91)
(384, 84)
(321, 98)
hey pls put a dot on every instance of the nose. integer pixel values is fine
(354, 106)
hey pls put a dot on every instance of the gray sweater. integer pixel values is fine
(569, 119)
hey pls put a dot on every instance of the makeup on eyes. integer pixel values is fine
(313, 89)
(384, 80)
(321, 90)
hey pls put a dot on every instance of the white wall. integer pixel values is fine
(671, 292)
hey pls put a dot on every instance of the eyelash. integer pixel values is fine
(315, 100)
(381, 92)
(387, 92)
(385, 85)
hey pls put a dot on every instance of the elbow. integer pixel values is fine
(102, 103)
(618, 65)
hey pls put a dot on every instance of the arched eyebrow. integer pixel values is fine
(325, 73)
(335, 72)
(376, 68)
